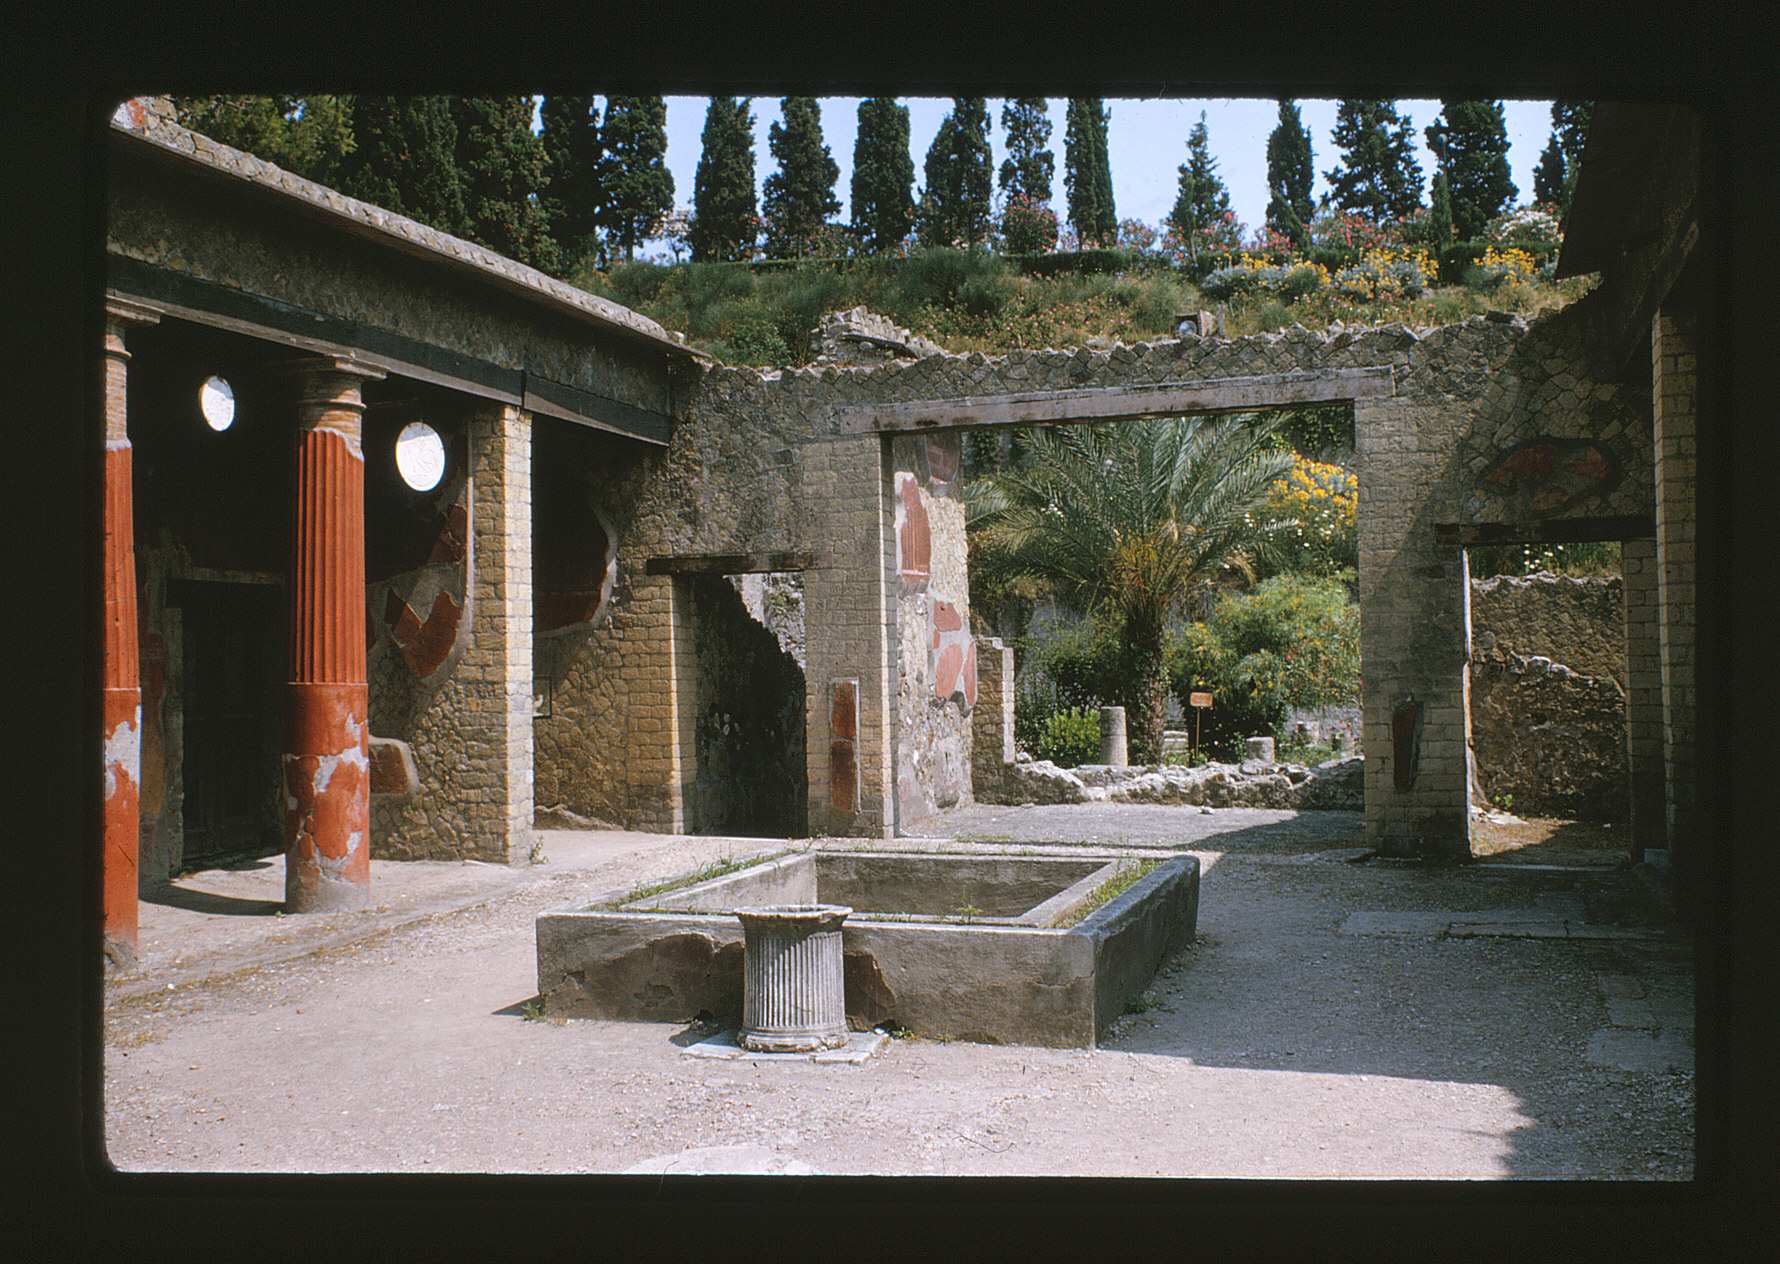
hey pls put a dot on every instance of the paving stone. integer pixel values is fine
(1636, 1050)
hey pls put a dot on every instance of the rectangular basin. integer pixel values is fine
(980, 947)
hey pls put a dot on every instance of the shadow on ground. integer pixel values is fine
(176, 896)
(1551, 970)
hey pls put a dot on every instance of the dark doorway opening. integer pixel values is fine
(233, 668)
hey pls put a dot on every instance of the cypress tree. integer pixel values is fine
(800, 194)
(1203, 200)
(502, 164)
(1548, 176)
(571, 139)
(1470, 142)
(1440, 213)
(955, 202)
(1403, 174)
(724, 220)
(1026, 171)
(1379, 174)
(1087, 175)
(1569, 121)
(883, 175)
(639, 189)
(404, 159)
(1290, 175)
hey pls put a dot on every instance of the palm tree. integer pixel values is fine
(1131, 519)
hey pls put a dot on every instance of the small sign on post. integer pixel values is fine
(1198, 701)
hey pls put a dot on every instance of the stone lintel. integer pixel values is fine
(1117, 403)
(734, 563)
(1551, 531)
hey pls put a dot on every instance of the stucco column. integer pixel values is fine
(122, 682)
(327, 788)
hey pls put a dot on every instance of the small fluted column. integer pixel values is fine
(327, 786)
(122, 683)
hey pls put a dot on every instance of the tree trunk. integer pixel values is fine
(1152, 697)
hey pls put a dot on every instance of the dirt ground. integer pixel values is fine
(1337, 1016)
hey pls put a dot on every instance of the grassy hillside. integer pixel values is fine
(763, 314)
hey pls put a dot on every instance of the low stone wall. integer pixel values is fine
(1337, 784)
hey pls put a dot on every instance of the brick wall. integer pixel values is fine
(470, 729)
(1644, 696)
(1673, 384)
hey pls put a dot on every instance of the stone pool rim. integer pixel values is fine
(994, 982)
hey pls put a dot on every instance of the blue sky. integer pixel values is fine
(1146, 139)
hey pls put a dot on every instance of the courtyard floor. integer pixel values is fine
(1529, 1015)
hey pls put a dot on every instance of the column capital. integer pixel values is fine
(318, 366)
(121, 311)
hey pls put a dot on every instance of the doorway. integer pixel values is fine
(233, 667)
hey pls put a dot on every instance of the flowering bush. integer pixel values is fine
(1350, 230)
(1134, 234)
(1284, 281)
(1312, 512)
(1511, 265)
(1028, 228)
(1273, 244)
(1537, 225)
(1228, 282)
(1221, 236)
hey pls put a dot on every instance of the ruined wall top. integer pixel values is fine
(858, 336)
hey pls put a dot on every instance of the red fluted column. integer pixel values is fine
(327, 788)
(122, 684)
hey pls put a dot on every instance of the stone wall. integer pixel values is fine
(1447, 447)
(1578, 621)
(937, 656)
(1548, 701)
(462, 699)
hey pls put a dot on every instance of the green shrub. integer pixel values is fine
(755, 340)
(1079, 262)
(1272, 314)
(1458, 258)
(1227, 283)
(1200, 661)
(1289, 641)
(1089, 664)
(1070, 738)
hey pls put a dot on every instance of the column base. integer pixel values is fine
(327, 797)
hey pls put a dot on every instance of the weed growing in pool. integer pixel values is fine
(704, 873)
(1116, 885)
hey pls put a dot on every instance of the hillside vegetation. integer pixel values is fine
(763, 314)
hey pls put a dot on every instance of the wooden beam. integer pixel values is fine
(1118, 403)
(1553, 531)
(733, 563)
(204, 302)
